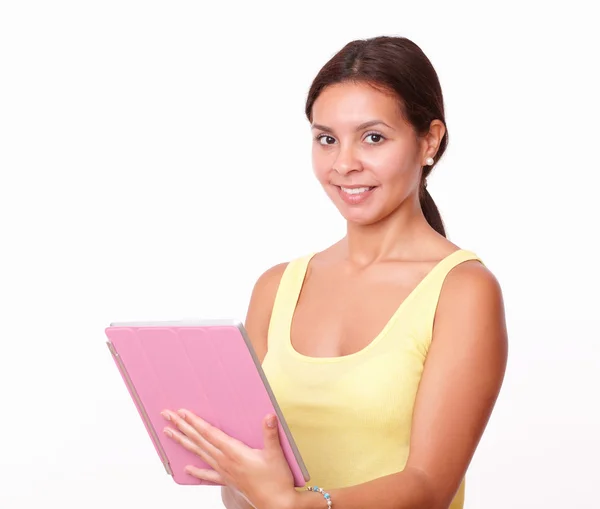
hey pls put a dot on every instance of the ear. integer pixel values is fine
(432, 140)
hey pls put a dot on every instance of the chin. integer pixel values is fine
(360, 218)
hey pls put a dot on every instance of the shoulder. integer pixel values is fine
(267, 283)
(470, 312)
(470, 283)
(465, 279)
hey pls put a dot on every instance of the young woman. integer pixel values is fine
(387, 350)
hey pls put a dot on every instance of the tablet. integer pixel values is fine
(207, 367)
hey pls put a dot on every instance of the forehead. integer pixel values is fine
(354, 103)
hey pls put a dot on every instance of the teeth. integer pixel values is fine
(356, 190)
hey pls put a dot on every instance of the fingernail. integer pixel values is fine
(166, 415)
(181, 414)
(271, 422)
(168, 432)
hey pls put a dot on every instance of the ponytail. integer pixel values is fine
(430, 211)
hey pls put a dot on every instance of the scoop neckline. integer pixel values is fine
(382, 333)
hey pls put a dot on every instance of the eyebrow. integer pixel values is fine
(364, 125)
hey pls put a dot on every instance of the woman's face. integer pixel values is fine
(365, 155)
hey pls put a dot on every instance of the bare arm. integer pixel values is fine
(461, 381)
(258, 318)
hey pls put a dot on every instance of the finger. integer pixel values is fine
(271, 434)
(192, 433)
(183, 426)
(191, 446)
(205, 475)
(211, 434)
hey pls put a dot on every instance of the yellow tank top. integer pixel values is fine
(350, 416)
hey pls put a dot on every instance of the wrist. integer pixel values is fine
(310, 500)
(283, 500)
(298, 500)
(292, 501)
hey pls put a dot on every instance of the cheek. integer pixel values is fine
(321, 165)
(391, 165)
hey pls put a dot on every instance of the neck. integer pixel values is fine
(399, 235)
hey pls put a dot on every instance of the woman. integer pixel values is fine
(387, 350)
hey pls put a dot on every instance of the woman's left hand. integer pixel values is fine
(262, 476)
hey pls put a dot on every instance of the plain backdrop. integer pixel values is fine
(155, 160)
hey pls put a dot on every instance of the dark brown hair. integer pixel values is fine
(398, 65)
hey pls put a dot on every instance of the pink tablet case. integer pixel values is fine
(211, 370)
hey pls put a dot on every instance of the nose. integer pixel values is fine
(346, 161)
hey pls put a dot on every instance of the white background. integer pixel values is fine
(155, 159)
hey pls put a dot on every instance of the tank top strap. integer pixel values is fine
(286, 299)
(452, 260)
(423, 308)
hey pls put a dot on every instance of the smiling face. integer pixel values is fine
(365, 155)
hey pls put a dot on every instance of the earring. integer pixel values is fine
(429, 161)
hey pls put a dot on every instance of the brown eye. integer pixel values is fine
(376, 138)
(325, 139)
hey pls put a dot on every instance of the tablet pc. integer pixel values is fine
(208, 367)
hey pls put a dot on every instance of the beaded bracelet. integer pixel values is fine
(320, 490)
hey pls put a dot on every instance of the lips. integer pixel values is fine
(355, 195)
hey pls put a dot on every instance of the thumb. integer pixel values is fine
(271, 432)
